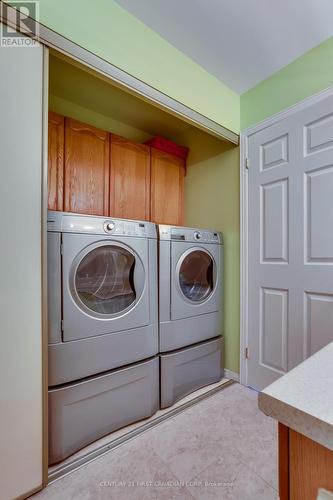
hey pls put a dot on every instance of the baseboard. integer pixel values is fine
(231, 375)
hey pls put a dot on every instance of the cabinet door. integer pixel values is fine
(87, 152)
(130, 179)
(56, 161)
(167, 188)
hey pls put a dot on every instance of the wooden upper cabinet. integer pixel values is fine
(129, 179)
(93, 172)
(56, 140)
(87, 166)
(167, 188)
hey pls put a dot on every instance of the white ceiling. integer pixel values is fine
(241, 42)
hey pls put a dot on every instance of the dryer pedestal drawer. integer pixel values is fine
(194, 329)
(82, 412)
(69, 361)
(186, 370)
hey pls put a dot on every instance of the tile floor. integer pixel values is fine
(221, 448)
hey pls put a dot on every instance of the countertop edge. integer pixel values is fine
(298, 420)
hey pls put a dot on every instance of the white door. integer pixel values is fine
(290, 276)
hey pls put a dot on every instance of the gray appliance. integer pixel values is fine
(103, 315)
(81, 412)
(191, 309)
(102, 294)
(186, 370)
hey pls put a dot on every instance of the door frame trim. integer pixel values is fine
(126, 81)
(243, 259)
(245, 165)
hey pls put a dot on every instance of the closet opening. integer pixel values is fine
(101, 163)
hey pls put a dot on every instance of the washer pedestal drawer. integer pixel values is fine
(186, 370)
(84, 411)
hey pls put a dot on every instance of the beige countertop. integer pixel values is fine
(303, 398)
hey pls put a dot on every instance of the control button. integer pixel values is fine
(197, 235)
(109, 226)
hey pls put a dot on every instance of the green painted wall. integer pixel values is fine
(302, 78)
(109, 31)
(212, 200)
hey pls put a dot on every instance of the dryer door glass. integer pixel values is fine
(196, 276)
(104, 279)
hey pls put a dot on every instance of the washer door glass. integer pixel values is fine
(196, 276)
(104, 279)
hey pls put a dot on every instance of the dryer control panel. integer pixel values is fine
(190, 234)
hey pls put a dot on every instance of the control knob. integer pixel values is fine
(109, 226)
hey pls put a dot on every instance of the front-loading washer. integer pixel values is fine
(191, 310)
(103, 327)
(102, 294)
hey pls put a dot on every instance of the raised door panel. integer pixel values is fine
(319, 215)
(318, 320)
(274, 221)
(87, 154)
(167, 188)
(318, 135)
(129, 179)
(273, 329)
(56, 139)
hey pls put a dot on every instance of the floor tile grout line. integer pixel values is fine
(254, 472)
(210, 465)
(237, 457)
(258, 475)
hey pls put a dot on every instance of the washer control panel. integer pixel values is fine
(125, 228)
(190, 234)
(86, 224)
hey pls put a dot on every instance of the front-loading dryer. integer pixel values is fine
(102, 288)
(191, 310)
(191, 286)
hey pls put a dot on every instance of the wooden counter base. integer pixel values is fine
(304, 466)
